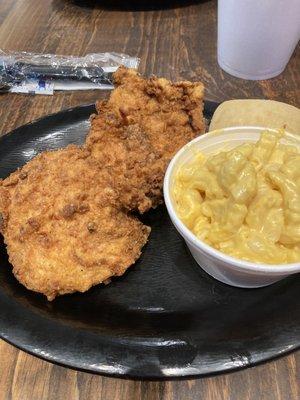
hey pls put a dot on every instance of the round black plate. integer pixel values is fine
(164, 318)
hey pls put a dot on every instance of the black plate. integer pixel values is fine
(164, 318)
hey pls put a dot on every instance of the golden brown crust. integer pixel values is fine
(62, 215)
(170, 113)
(136, 168)
(164, 115)
(63, 229)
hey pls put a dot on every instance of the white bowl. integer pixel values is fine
(224, 268)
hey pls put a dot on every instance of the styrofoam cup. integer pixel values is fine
(256, 38)
(227, 269)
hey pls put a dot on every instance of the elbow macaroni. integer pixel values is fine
(244, 202)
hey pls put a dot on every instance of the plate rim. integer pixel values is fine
(159, 375)
(153, 377)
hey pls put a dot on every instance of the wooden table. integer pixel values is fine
(178, 42)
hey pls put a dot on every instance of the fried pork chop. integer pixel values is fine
(126, 151)
(64, 215)
(163, 115)
(170, 113)
(62, 224)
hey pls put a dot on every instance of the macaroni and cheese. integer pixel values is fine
(244, 202)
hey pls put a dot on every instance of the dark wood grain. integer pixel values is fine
(178, 42)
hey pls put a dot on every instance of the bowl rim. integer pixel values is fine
(189, 236)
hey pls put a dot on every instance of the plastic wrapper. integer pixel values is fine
(28, 72)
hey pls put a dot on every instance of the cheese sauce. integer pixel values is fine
(244, 202)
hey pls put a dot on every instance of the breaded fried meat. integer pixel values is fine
(140, 128)
(170, 113)
(126, 151)
(62, 224)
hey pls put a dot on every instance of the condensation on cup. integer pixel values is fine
(256, 38)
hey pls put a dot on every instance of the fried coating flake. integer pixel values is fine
(63, 226)
(170, 113)
(126, 151)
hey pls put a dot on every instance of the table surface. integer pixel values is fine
(178, 42)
